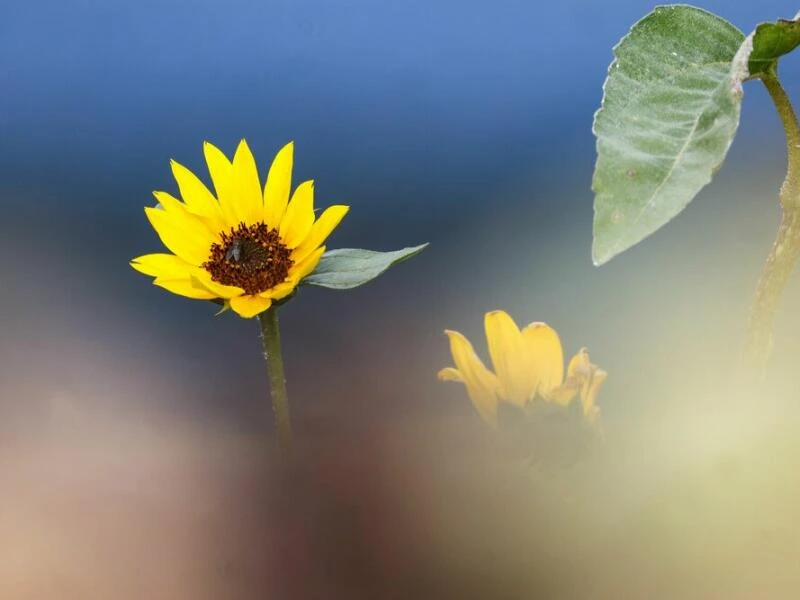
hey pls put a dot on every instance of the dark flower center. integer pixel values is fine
(252, 257)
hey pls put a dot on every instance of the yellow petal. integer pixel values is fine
(281, 290)
(247, 186)
(199, 200)
(320, 230)
(169, 202)
(183, 235)
(221, 171)
(299, 216)
(563, 394)
(249, 306)
(578, 375)
(305, 267)
(183, 287)
(509, 358)
(278, 186)
(202, 278)
(181, 214)
(450, 374)
(590, 389)
(167, 266)
(546, 355)
(482, 385)
(579, 366)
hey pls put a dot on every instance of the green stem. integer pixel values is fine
(786, 249)
(271, 341)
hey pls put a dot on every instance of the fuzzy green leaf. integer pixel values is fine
(770, 41)
(347, 268)
(669, 113)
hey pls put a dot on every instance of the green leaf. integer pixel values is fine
(347, 268)
(669, 113)
(770, 41)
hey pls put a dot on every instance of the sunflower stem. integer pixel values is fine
(271, 341)
(786, 249)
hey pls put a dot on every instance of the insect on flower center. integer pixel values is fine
(252, 257)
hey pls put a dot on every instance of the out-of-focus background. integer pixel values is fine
(135, 435)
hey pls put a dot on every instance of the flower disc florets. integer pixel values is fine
(252, 257)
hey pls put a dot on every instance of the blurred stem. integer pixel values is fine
(786, 249)
(271, 341)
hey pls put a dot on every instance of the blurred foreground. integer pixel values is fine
(703, 506)
(136, 458)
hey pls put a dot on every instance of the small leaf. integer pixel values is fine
(669, 113)
(770, 41)
(226, 306)
(347, 268)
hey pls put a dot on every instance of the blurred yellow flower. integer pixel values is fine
(244, 246)
(528, 364)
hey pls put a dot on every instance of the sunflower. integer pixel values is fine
(528, 366)
(241, 246)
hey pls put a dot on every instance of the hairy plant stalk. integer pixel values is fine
(271, 341)
(786, 249)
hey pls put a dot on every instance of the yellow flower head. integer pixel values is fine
(528, 363)
(243, 245)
